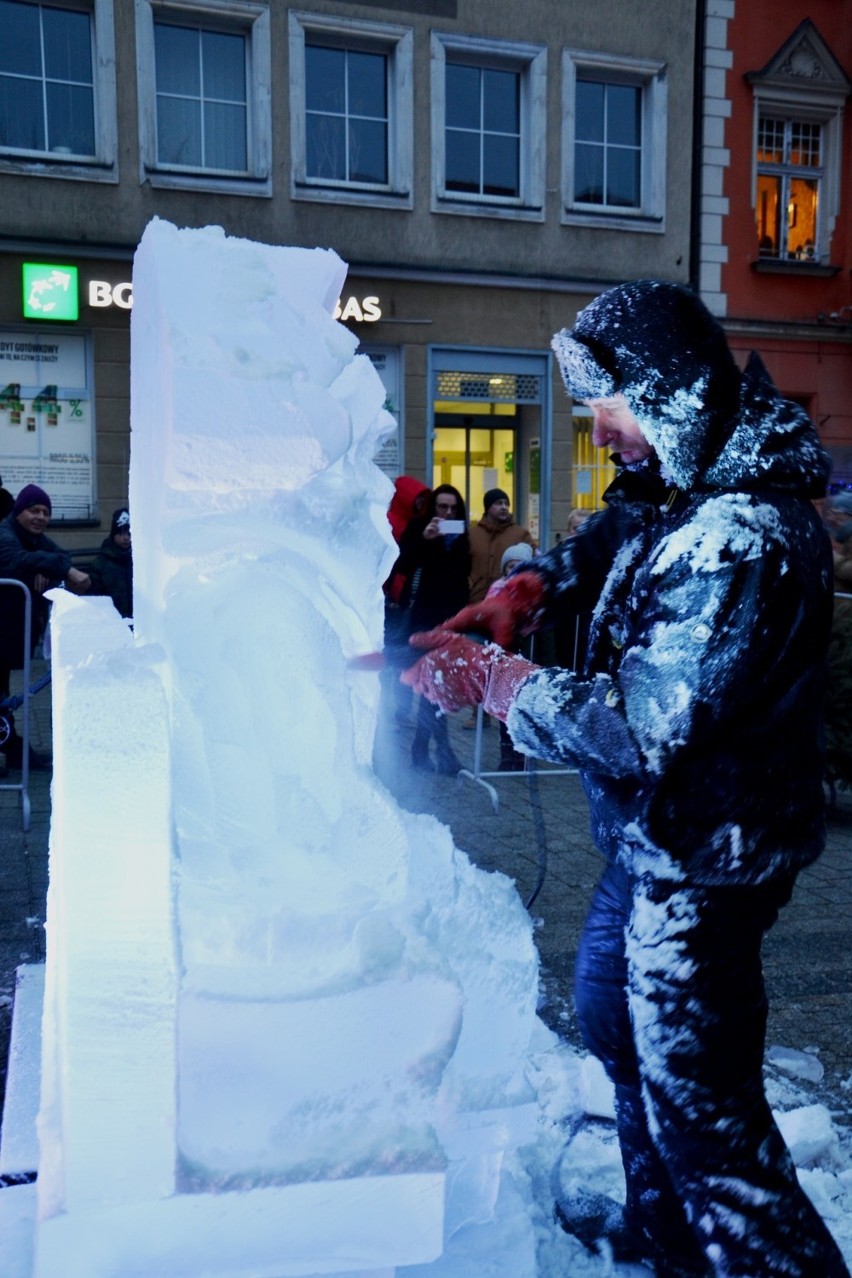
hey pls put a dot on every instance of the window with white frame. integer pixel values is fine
(57, 88)
(614, 141)
(351, 111)
(488, 127)
(204, 77)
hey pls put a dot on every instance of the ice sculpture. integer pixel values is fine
(286, 1023)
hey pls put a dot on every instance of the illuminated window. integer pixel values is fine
(57, 89)
(351, 111)
(204, 77)
(488, 127)
(614, 141)
(789, 174)
(798, 121)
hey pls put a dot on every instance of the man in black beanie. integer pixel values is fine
(29, 556)
(490, 538)
(696, 727)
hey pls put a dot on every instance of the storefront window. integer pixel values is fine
(593, 471)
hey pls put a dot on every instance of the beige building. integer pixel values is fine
(484, 167)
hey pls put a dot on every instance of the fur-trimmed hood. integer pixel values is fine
(711, 426)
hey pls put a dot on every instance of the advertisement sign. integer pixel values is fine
(387, 363)
(46, 427)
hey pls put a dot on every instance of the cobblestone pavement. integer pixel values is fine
(808, 955)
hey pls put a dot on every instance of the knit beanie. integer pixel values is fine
(31, 495)
(120, 521)
(658, 345)
(522, 551)
(493, 494)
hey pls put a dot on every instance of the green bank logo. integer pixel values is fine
(50, 292)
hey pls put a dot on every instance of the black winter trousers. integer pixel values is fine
(670, 997)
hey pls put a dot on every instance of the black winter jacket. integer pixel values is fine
(696, 724)
(112, 574)
(24, 557)
(436, 571)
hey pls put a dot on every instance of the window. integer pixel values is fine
(351, 111)
(488, 127)
(789, 173)
(798, 120)
(614, 141)
(57, 89)
(204, 95)
(346, 115)
(483, 135)
(202, 115)
(608, 145)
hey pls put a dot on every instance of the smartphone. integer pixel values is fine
(446, 526)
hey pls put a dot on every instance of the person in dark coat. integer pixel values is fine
(7, 501)
(435, 565)
(28, 555)
(112, 571)
(696, 726)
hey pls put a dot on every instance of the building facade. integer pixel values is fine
(776, 225)
(485, 168)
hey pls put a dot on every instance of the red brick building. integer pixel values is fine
(775, 243)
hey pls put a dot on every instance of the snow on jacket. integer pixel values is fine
(489, 540)
(25, 556)
(696, 723)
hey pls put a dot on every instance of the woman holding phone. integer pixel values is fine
(434, 554)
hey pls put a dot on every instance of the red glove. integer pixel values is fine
(513, 606)
(458, 672)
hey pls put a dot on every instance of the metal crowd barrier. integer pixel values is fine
(484, 778)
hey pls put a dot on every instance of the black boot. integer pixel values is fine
(420, 752)
(511, 760)
(447, 763)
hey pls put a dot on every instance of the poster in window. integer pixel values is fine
(386, 362)
(46, 427)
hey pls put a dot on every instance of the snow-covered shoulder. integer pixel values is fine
(725, 528)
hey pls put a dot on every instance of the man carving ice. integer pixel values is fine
(695, 726)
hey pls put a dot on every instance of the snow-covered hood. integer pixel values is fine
(657, 344)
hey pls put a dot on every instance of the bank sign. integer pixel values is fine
(52, 292)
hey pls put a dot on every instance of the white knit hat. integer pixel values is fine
(522, 551)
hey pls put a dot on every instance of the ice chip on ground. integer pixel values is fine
(810, 1135)
(597, 1093)
(796, 1064)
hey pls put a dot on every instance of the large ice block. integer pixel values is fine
(287, 1024)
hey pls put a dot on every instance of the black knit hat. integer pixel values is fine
(493, 494)
(658, 345)
(120, 521)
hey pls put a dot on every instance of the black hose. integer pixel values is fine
(538, 827)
